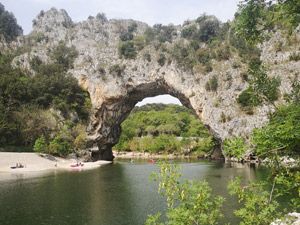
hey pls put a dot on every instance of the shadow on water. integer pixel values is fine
(117, 194)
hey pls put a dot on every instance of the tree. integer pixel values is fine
(249, 20)
(9, 27)
(256, 206)
(188, 202)
(209, 29)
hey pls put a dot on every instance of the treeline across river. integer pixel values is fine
(160, 128)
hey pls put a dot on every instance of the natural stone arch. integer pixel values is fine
(105, 126)
(115, 84)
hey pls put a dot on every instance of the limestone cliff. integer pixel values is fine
(116, 84)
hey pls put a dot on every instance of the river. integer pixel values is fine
(116, 194)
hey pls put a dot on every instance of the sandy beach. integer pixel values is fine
(36, 164)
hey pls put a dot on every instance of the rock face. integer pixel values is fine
(116, 85)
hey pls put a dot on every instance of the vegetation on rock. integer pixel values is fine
(35, 108)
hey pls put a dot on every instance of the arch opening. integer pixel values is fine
(105, 126)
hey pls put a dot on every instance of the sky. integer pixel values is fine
(149, 11)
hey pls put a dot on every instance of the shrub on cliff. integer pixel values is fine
(64, 56)
(212, 84)
(127, 50)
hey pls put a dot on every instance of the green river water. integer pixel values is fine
(117, 194)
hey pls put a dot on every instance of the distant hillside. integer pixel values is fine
(157, 128)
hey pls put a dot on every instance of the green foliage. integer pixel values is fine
(249, 19)
(139, 42)
(147, 57)
(160, 32)
(189, 32)
(212, 84)
(280, 138)
(265, 87)
(59, 146)
(294, 57)
(256, 16)
(154, 128)
(223, 53)
(282, 132)
(40, 145)
(294, 96)
(235, 147)
(9, 27)
(286, 13)
(161, 60)
(257, 207)
(117, 70)
(126, 36)
(64, 56)
(262, 88)
(248, 98)
(25, 100)
(183, 55)
(209, 28)
(188, 202)
(127, 50)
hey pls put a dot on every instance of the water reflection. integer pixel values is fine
(112, 195)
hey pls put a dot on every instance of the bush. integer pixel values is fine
(101, 17)
(295, 56)
(235, 147)
(189, 31)
(248, 98)
(40, 145)
(117, 70)
(161, 60)
(203, 56)
(256, 204)
(64, 56)
(209, 29)
(212, 84)
(183, 55)
(126, 36)
(187, 202)
(147, 57)
(139, 42)
(223, 53)
(281, 133)
(132, 27)
(59, 146)
(127, 50)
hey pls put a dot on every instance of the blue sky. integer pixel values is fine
(149, 11)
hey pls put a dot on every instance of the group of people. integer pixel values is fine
(18, 165)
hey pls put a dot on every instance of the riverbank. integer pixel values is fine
(146, 155)
(34, 162)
